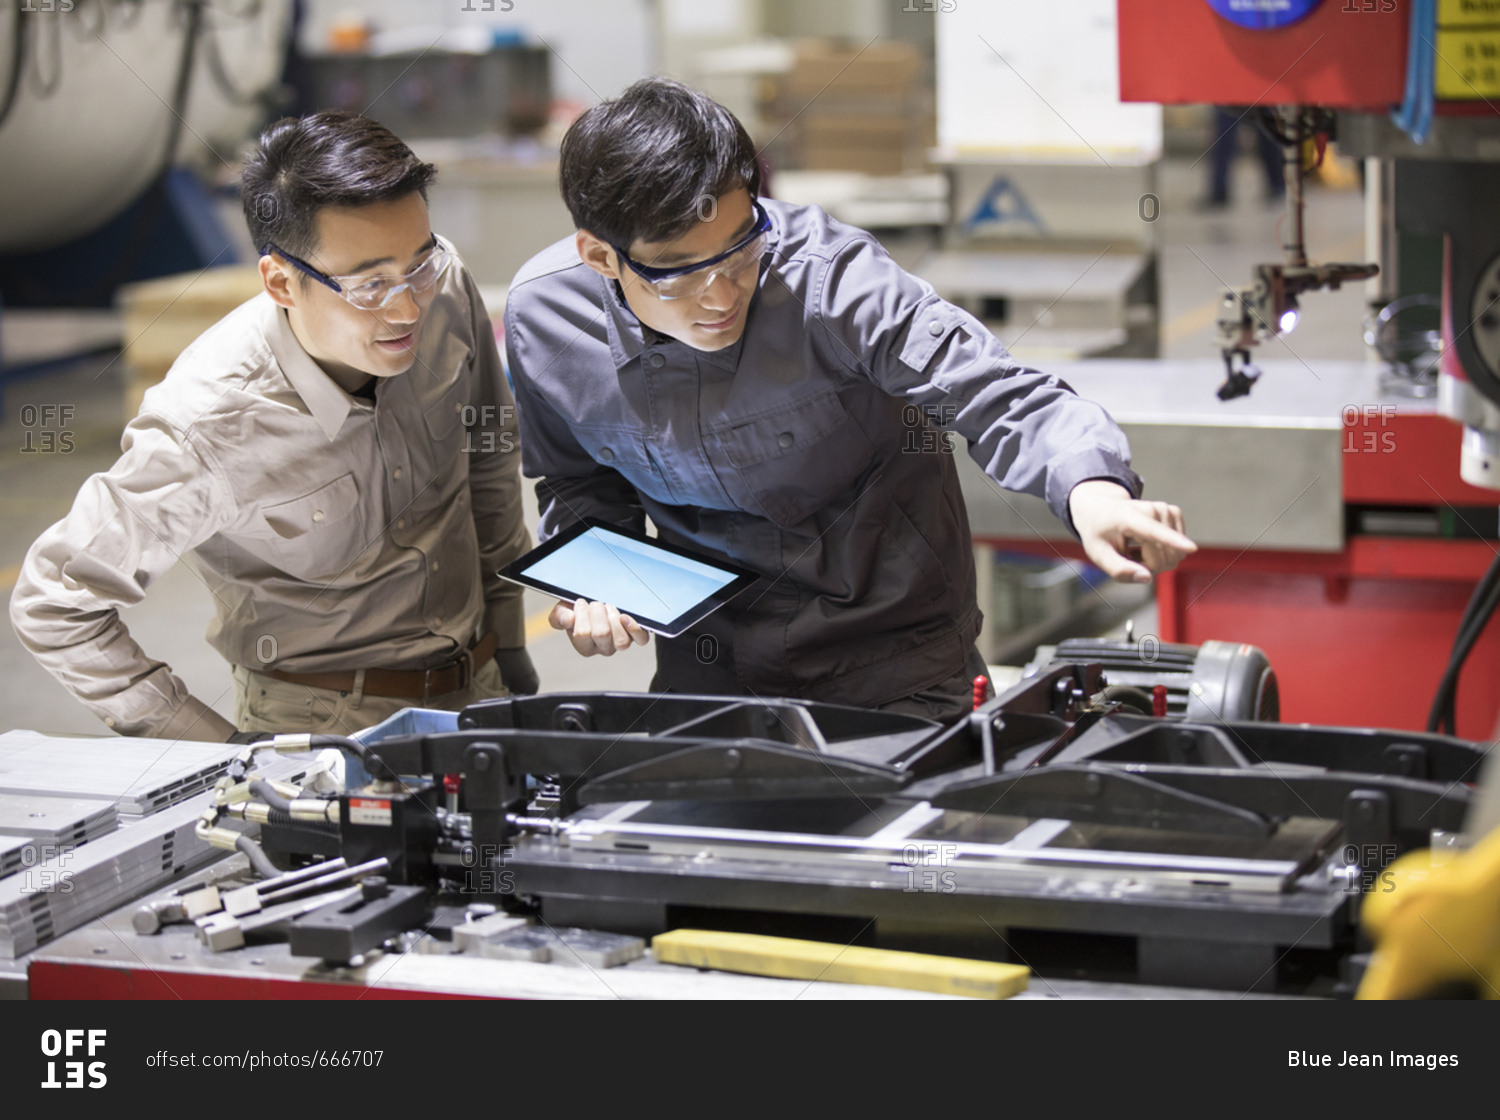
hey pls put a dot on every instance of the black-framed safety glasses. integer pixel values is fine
(692, 279)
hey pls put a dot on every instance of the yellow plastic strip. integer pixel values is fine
(844, 964)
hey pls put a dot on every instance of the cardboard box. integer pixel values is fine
(825, 67)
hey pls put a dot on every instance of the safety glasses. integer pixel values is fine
(372, 293)
(693, 279)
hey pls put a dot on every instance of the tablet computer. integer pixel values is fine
(664, 588)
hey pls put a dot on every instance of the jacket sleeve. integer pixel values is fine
(1029, 431)
(495, 480)
(570, 485)
(163, 497)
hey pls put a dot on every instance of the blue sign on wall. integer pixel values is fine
(1262, 14)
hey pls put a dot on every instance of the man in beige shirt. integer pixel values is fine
(337, 460)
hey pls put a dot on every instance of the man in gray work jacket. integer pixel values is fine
(758, 379)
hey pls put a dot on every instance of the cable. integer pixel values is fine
(1476, 614)
(257, 857)
(1414, 115)
(17, 63)
(263, 790)
(40, 86)
(155, 195)
(371, 762)
(1130, 696)
(1481, 607)
(214, 56)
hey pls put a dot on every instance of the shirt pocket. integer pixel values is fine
(793, 462)
(318, 535)
(443, 417)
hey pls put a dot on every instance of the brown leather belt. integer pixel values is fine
(404, 684)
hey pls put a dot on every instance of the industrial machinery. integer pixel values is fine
(1409, 86)
(1269, 306)
(1073, 823)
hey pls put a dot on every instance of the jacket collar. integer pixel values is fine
(628, 336)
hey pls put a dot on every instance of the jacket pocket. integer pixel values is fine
(794, 462)
(625, 451)
(933, 576)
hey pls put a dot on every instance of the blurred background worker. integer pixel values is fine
(1227, 129)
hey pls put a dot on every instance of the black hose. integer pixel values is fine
(1131, 696)
(257, 857)
(1482, 603)
(371, 762)
(1477, 612)
(267, 793)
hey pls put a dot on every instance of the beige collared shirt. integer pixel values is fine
(334, 533)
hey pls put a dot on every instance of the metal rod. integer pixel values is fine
(1294, 246)
(374, 866)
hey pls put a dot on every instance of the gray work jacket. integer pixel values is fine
(806, 451)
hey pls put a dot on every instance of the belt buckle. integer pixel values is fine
(464, 665)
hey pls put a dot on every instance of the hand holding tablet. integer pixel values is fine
(596, 628)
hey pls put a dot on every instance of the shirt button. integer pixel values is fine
(606, 455)
(401, 524)
(786, 439)
(657, 361)
(109, 721)
(434, 565)
(317, 515)
(934, 328)
(396, 473)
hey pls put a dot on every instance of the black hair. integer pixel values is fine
(302, 164)
(639, 167)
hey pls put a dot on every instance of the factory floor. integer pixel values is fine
(1199, 251)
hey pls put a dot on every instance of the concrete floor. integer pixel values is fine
(1199, 252)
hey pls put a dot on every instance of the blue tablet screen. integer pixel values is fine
(635, 577)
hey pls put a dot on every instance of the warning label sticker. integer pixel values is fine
(365, 810)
